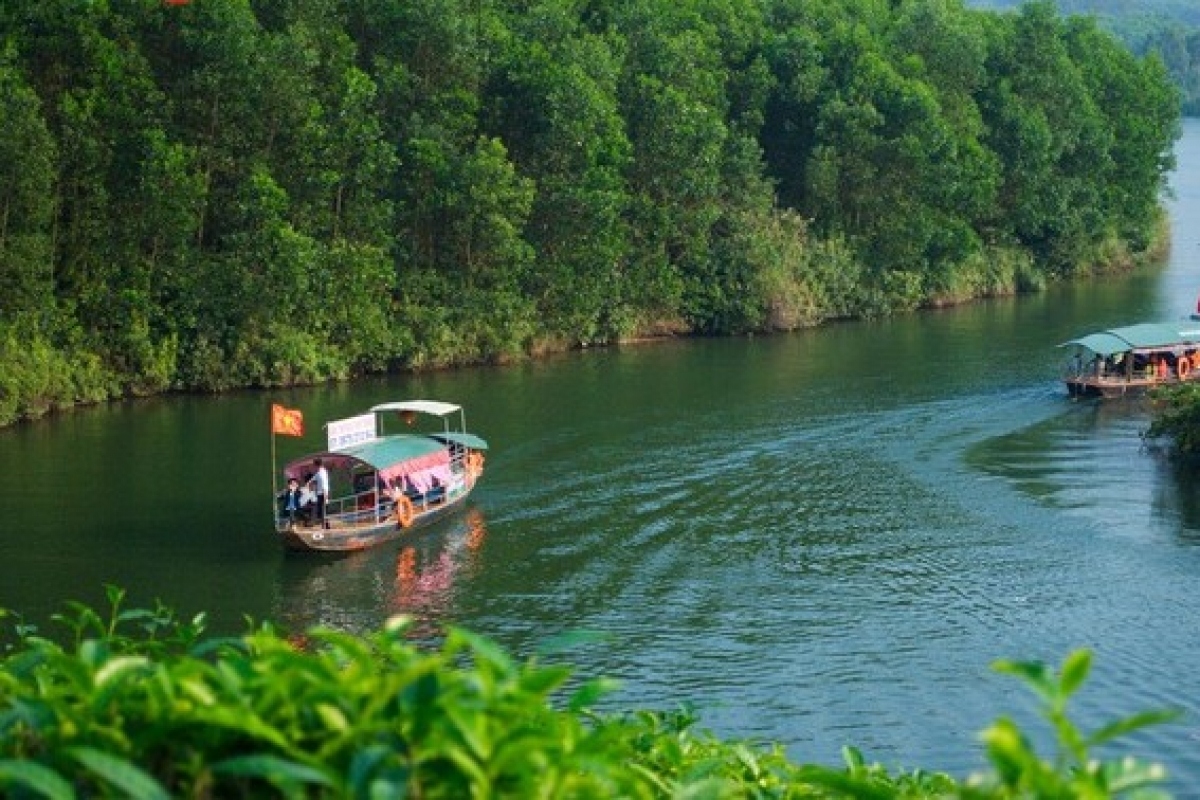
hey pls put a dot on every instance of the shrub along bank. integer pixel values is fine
(137, 703)
(1176, 419)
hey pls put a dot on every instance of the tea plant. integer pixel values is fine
(141, 704)
(1074, 772)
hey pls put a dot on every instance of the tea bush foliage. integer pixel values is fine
(139, 703)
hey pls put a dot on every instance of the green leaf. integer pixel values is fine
(236, 719)
(468, 766)
(853, 758)
(36, 777)
(541, 680)
(1075, 671)
(136, 614)
(278, 771)
(115, 668)
(590, 693)
(472, 727)
(1129, 774)
(115, 595)
(844, 784)
(1132, 723)
(711, 788)
(131, 779)
(333, 717)
(94, 652)
(218, 645)
(371, 766)
(1034, 674)
(485, 649)
(1007, 748)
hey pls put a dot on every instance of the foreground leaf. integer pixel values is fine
(37, 778)
(124, 775)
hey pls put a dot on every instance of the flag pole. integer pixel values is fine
(274, 486)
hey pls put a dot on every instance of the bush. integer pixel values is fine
(164, 711)
(1177, 417)
(37, 378)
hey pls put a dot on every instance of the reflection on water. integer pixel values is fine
(1094, 462)
(358, 591)
(1178, 497)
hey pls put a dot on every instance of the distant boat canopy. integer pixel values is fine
(1144, 336)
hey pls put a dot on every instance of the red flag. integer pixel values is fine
(286, 421)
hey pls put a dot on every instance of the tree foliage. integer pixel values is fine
(201, 196)
(1167, 29)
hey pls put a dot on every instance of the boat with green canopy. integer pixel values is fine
(380, 484)
(1119, 361)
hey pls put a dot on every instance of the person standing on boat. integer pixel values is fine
(320, 484)
(291, 501)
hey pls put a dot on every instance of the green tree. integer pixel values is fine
(27, 194)
(556, 104)
(1050, 137)
(1140, 109)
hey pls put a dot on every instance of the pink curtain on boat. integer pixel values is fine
(426, 479)
(423, 469)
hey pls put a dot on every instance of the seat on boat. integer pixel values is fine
(434, 495)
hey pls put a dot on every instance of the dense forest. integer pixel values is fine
(202, 194)
(1168, 28)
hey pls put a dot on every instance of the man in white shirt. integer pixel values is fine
(320, 484)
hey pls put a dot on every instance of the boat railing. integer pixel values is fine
(434, 496)
(1092, 371)
(370, 507)
(360, 509)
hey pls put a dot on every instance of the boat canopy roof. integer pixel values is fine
(383, 453)
(469, 440)
(434, 407)
(389, 456)
(1143, 336)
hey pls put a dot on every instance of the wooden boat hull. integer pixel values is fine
(346, 535)
(1109, 388)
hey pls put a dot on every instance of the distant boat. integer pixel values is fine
(1131, 359)
(383, 485)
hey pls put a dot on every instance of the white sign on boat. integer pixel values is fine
(352, 430)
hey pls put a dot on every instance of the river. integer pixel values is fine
(815, 539)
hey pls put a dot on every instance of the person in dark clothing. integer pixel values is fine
(291, 501)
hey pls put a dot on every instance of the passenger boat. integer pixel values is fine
(382, 485)
(1120, 361)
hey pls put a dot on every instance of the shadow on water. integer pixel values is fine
(1178, 496)
(1094, 461)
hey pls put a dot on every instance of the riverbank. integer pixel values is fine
(37, 379)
